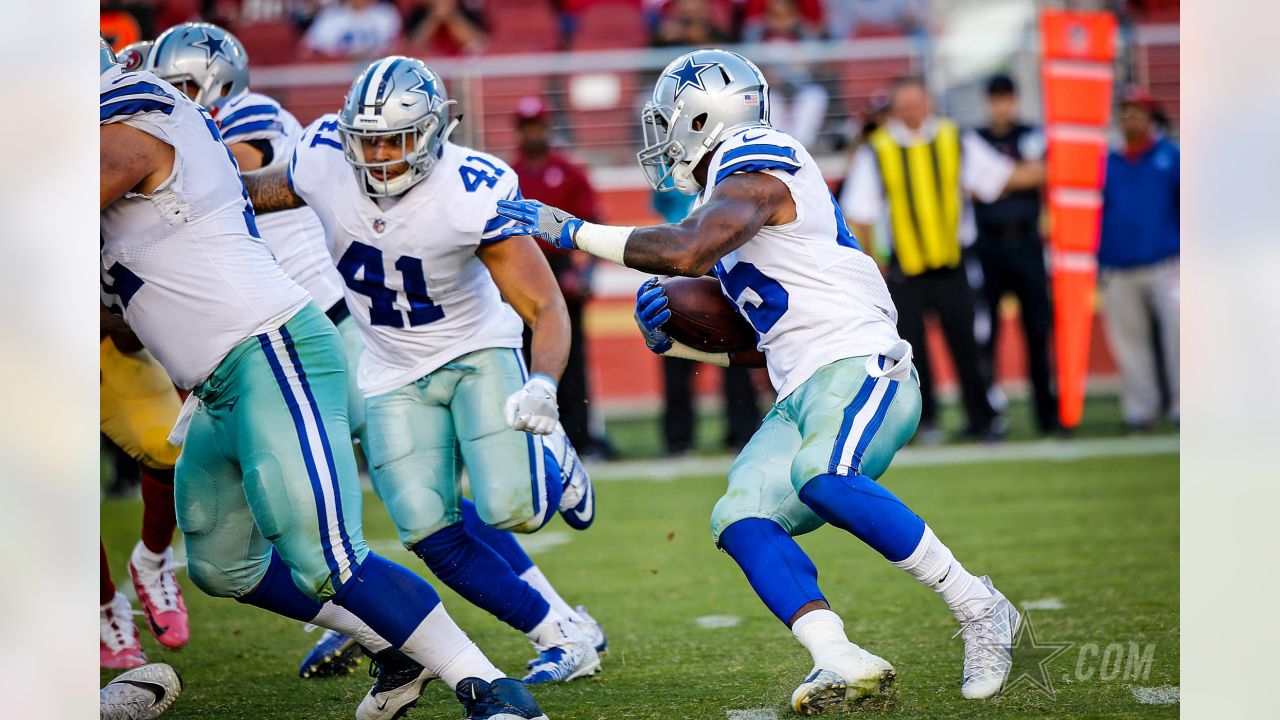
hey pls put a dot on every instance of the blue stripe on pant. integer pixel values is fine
(339, 570)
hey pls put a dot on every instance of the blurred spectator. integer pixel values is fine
(550, 176)
(917, 170)
(447, 27)
(1011, 249)
(1138, 260)
(739, 392)
(847, 18)
(353, 28)
(688, 22)
(797, 103)
(783, 20)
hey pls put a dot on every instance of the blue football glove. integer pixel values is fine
(553, 225)
(651, 313)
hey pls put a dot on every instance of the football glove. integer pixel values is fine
(532, 408)
(551, 224)
(651, 313)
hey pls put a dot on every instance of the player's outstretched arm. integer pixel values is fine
(740, 206)
(131, 160)
(270, 191)
(522, 274)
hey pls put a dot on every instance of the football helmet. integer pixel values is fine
(134, 55)
(402, 100)
(108, 65)
(700, 98)
(205, 55)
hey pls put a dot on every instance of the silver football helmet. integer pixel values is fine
(700, 98)
(134, 55)
(401, 103)
(108, 65)
(204, 55)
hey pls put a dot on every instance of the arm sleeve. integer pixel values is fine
(862, 198)
(984, 172)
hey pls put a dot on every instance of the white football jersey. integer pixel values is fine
(413, 281)
(184, 264)
(806, 287)
(295, 237)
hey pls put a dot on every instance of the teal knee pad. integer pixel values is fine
(222, 577)
(417, 510)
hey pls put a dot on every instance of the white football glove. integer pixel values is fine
(532, 408)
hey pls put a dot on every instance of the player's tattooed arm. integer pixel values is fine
(270, 191)
(740, 207)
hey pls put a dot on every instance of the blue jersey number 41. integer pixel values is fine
(361, 267)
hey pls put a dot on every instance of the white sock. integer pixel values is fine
(439, 645)
(821, 632)
(336, 617)
(554, 630)
(539, 582)
(934, 566)
(144, 559)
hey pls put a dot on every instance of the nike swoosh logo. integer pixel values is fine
(746, 139)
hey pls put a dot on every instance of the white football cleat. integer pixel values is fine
(143, 693)
(989, 627)
(568, 656)
(593, 630)
(844, 676)
(118, 642)
(578, 501)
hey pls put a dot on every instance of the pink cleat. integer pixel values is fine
(120, 649)
(157, 586)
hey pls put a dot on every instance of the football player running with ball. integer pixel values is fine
(266, 489)
(411, 221)
(766, 226)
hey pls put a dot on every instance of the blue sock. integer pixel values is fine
(864, 507)
(778, 570)
(278, 593)
(389, 598)
(474, 571)
(500, 541)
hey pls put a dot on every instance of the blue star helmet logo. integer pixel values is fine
(214, 48)
(423, 87)
(689, 75)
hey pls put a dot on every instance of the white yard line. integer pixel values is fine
(753, 714)
(1049, 603)
(717, 622)
(1164, 695)
(664, 470)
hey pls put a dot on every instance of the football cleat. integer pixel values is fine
(398, 683)
(578, 502)
(503, 699)
(143, 693)
(567, 657)
(845, 676)
(988, 627)
(335, 654)
(593, 630)
(118, 642)
(161, 600)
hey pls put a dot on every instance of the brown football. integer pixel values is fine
(703, 318)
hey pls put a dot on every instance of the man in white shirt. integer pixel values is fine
(918, 172)
(360, 28)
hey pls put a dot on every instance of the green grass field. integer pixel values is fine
(1098, 535)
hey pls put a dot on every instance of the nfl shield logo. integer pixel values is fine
(379, 225)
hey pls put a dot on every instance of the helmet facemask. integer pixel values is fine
(668, 162)
(422, 146)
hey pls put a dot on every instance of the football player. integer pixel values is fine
(266, 488)
(138, 406)
(210, 64)
(410, 220)
(767, 227)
